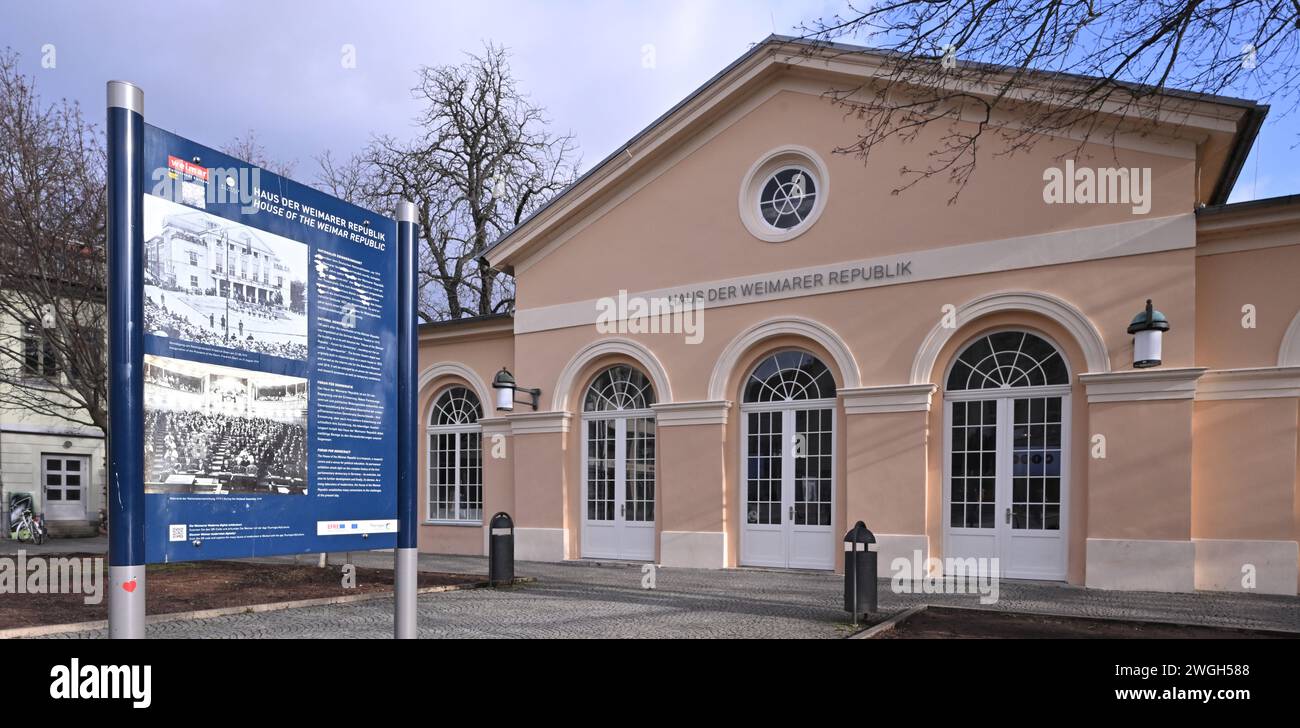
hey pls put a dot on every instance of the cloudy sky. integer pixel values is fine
(212, 70)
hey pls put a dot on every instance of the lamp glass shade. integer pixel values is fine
(1146, 348)
(506, 399)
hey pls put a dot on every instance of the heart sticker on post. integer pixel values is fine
(129, 586)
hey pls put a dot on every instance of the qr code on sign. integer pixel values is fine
(176, 532)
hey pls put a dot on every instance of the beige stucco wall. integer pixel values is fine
(1264, 278)
(691, 477)
(1142, 489)
(683, 225)
(1244, 469)
(540, 481)
(885, 463)
(1246, 472)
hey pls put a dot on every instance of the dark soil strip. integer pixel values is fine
(941, 623)
(194, 585)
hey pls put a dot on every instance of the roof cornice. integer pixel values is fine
(478, 327)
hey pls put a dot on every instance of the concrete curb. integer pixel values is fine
(889, 624)
(74, 627)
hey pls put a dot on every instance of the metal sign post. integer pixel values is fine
(405, 574)
(126, 554)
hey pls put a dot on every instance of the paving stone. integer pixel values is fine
(606, 600)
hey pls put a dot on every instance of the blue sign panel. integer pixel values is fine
(270, 312)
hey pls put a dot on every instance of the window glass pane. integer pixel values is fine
(619, 387)
(788, 376)
(456, 406)
(1007, 359)
(787, 198)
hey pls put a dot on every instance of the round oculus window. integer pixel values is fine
(783, 194)
(788, 198)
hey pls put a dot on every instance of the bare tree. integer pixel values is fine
(482, 160)
(52, 316)
(249, 149)
(1087, 67)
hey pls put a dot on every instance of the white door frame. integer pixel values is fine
(788, 407)
(621, 526)
(59, 510)
(1002, 533)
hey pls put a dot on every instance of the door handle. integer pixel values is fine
(1008, 515)
(792, 513)
(622, 511)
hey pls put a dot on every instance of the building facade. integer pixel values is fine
(56, 462)
(820, 351)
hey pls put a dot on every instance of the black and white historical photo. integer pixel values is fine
(214, 281)
(220, 430)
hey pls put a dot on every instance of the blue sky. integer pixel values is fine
(213, 70)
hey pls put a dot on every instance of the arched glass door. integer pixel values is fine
(1007, 401)
(788, 493)
(618, 466)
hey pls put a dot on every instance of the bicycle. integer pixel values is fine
(26, 525)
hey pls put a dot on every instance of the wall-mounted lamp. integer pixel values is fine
(1148, 327)
(504, 384)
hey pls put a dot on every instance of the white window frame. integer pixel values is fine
(456, 431)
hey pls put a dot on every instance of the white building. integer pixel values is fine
(60, 464)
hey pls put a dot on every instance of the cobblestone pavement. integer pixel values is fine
(94, 545)
(606, 600)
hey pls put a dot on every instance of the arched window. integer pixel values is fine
(788, 436)
(455, 457)
(1007, 406)
(789, 375)
(456, 406)
(1008, 359)
(619, 466)
(619, 387)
